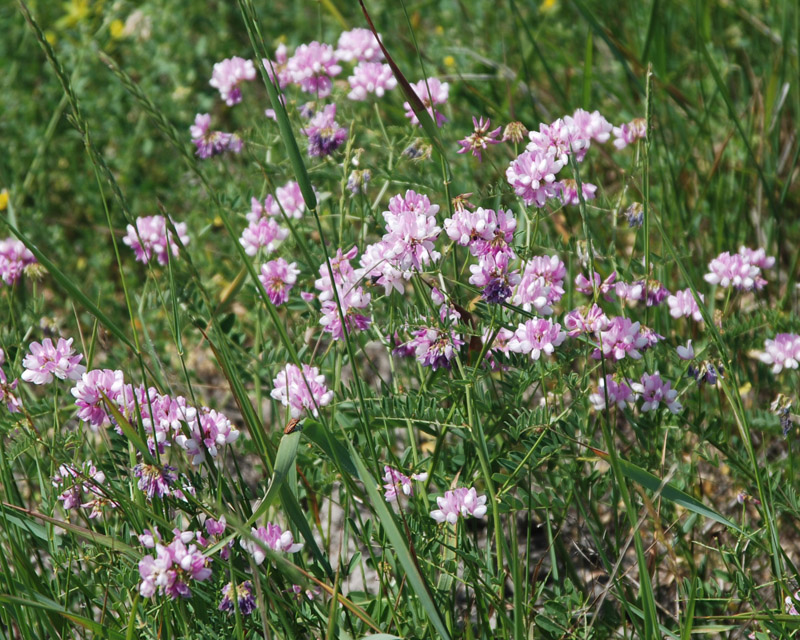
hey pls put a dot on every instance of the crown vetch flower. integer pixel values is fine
(301, 390)
(533, 176)
(590, 125)
(431, 92)
(394, 480)
(568, 191)
(654, 391)
(685, 353)
(411, 231)
(172, 570)
(619, 393)
(276, 69)
(291, 200)
(480, 138)
(208, 432)
(278, 277)
(622, 338)
(758, 257)
(560, 138)
(606, 287)
(377, 266)
(228, 75)
(434, 347)
(14, 257)
(324, 134)
(88, 393)
(683, 304)
(265, 233)
(493, 275)
(782, 352)
(272, 537)
(466, 227)
(212, 143)
(585, 320)
(243, 592)
(350, 293)
(46, 360)
(8, 396)
(629, 132)
(537, 336)
(371, 77)
(312, 67)
(150, 238)
(155, 481)
(728, 270)
(358, 44)
(464, 502)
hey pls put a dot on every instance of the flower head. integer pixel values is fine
(212, 143)
(533, 176)
(264, 233)
(150, 238)
(610, 392)
(683, 304)
(312, 67)
(46, 360)
(172, 570)
(228, 75)
(394, 480)
(734, 270)
(278, 278)
(654, 391)
(271, 537)
(324, 134)
(629, 132)
(464, 502)
(622, 338)
(478, 140)
(242, 593)
(358, 44)
(371, 77)
(14, 257)
(301, 390)
(782, 352)
(431, 92)
(537, 336)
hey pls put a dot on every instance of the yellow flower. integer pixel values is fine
(50, 36)
(439, 30)
(117, 29)
(75, 11)
(3, 199)
(449, 61)
(549, 5)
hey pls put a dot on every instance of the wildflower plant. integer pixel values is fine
(398, 322)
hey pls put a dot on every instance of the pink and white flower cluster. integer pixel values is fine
(349, 298)
(536, 337)
(14, 257)
(150, 238)
(651, 388)
(395, 480)
(278, 278)
(212, 143)
(782, 352)
(74, 482)
(739, 270)
(272, 537)
(263, 232)
(542, 285)
(464, 502)
(47, 360)
(228, 75)
(431, 92)
(173, 569)
(301, 390)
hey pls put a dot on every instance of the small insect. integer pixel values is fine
(292, 426)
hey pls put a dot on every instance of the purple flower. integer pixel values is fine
(301, 390)
(782, 352)
(433, 347)
(291, 200)
(589, 125)
(151, 238)
(243, 592)
(155, 481)
(264, 233)
(459, 502)
(8, 396)
(728, 270)
(629, 292)
(14, 257)
(478, 140)
(467, 227)
(542, 284)
(619, 393)
(73, 482)
(89, 399)
(537, 336)
(380, 269)
(605, 287)
(172, 570)
(628, 133)
(228, 75)
(411, 231)
(758, 257)
(558, 139)
(351, 296)
(431, 92)
(656, 292)
(533, 176)
(622, 338)
(687, 352)
(272, 537)
(358, 44)
(654, 391)
(312, 66)
(324, 134)
(278, 278)
(45, 361)
(394, 480)
(371, 77)
(568, 191)
(212, 143)
(683, 305)
(494, 277)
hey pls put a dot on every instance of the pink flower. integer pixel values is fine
(459, 502)
(619, 393)
(687, 352)
(782, 352)
(14, 257)
(493, 275)
(277, 68)
(278, 278)
(533, 175)
(432, 92)
(411, 231)
(683, 305)
(558, 139)
(395, 480)
(590, 125)
(433, 347)
(551, 271)
(209, 432)
(8, 396)
(466, 227)
(568, 191)
(264, 233)
(376, 265)
(150, 238)
(628, 133)
(312, 66)
(228, 75)
(605, 287)
(45, 361)
(728, 270)
(324, 134)
(537, 336)
(212, 143)
(171, 571)
(272, 537)
(371, 77)
(301, 390)
(622, 338)
(88, 393)
(291, 200)
(654, 391)
(478, 140)
(585, 320)
(351, 296)
(358, 44)
(758, 257)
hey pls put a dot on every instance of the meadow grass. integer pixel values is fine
(270, 434)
